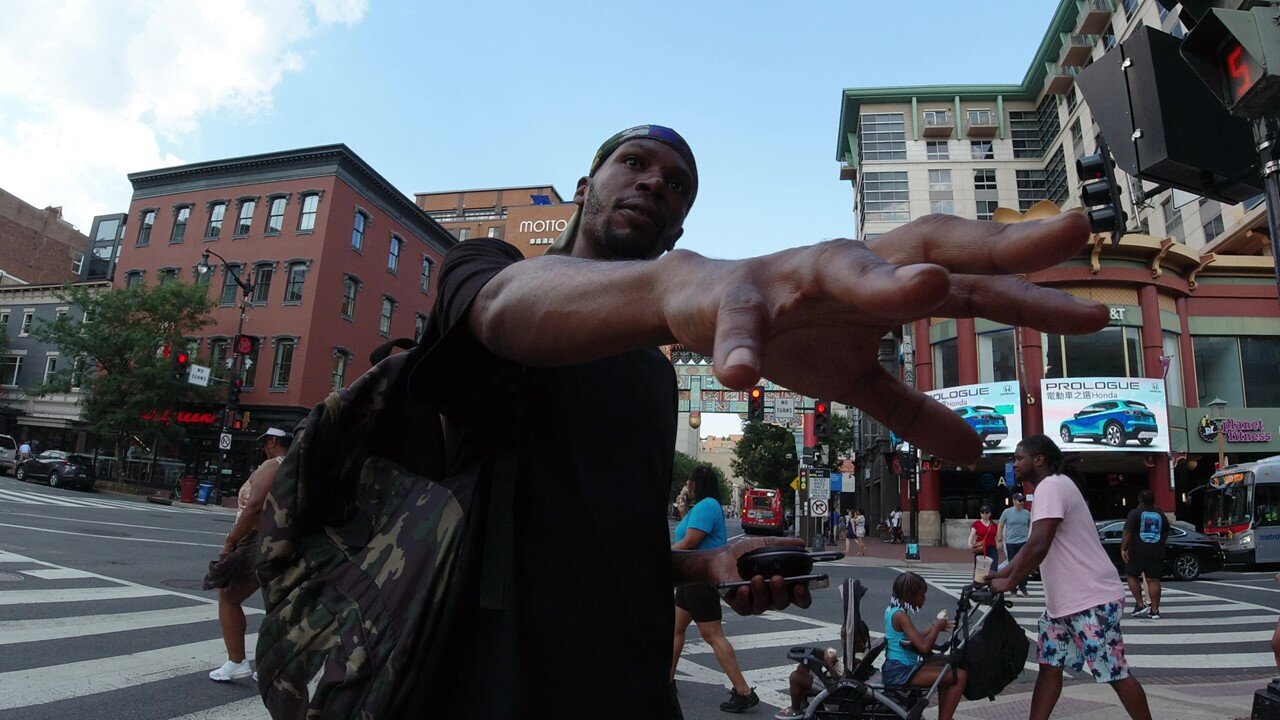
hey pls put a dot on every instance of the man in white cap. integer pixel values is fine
(233, 573)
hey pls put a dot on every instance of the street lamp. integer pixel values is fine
(237, 366)
(1218, 413)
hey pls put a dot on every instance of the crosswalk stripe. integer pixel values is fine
(57, 573)
(22, 631)
(1147, 638)
(108, 537)
(31, 597)
(1234, 661)
(247, 709)
(38, 498)
(35, 497)
(35, 686)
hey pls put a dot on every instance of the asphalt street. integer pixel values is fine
(101, 616)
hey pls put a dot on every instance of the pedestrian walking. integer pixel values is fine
(233, 572)
(1084, 601)
(858, 531)
(895, 525)
(1014, 530)
(1146, 530)
(703, 529)
(982, 535)
(24, 451)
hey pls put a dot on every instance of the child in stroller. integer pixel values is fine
(906, 646)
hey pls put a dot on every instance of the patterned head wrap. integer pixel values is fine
(665, 135)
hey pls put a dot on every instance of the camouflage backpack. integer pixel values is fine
(363, 539)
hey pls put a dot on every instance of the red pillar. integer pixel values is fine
(1031, 347)
(930, 481)
(967, 351)
(1158, 478)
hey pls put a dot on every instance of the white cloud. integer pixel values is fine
(90, 91)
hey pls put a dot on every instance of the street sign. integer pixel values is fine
(784, 407)
(198, 375)
(224, 441)
(819, 487)
(818, 508)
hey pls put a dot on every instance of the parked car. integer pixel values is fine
(1187, 554)
(8, 454)
(1114, 422)
(989, 424)
(59, 468)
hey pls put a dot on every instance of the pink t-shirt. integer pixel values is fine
(1076, 571)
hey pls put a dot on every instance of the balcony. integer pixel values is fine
(1076, 49)
(1093, 15)
(848, 170)
(1059, 80)
(981, 125)
(938, 125)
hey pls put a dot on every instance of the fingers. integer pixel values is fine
(984, 247)
(740, 325)
(850, 273)
(771, 594)
(1022, 304)
(919, 419)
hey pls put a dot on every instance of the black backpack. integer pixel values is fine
(995, 655)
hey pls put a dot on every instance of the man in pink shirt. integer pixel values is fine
(1084, 599)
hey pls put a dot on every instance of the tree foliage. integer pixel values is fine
(841, 436)
(115, 354)
(766, 456)
(684, 466)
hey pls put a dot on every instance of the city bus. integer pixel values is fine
(762, 512)
(1242, 508)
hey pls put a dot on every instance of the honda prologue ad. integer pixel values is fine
(993, 410)
(1106, 414)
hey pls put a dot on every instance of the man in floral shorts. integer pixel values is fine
(1084, 599)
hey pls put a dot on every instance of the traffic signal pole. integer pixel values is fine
(1266, 133)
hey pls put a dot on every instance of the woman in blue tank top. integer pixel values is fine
(905, 666)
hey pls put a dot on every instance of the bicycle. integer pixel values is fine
(890, 535)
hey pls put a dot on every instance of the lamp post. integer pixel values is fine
(237, 364)
(1218, 413)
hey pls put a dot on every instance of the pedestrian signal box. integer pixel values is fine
(1231, 50)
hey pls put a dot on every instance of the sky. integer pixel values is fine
(454, 95)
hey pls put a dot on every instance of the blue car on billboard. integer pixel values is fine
(989, 424)
(1114, 422)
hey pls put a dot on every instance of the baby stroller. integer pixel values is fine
(987, 642)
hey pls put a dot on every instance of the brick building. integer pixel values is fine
(340, 262)
(529, 217)
(37, 246)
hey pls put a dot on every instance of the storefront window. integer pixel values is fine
(1218, 370)
(946, 364)
(1110, 352)
(1260, 358)
(996, 359)
(1173, 378)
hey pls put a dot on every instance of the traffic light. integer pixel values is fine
(907, 461)
(821, 421)
(755, 405)
(1231, 50)
(1099, 192)
(181, 361)
(234, 386)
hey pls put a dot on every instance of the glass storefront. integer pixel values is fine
(997, 357)
(1110, 352)
(1244, 370)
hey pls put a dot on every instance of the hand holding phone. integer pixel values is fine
(794, 565)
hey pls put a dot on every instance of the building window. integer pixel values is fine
(996, 359)
(50, 368)
(229, 285)
(338, 379)
(1173, 383)
(1073, 99)
(357, 231)
(297, 279)
(245, 222)
(882, 136)
(1172, 219)
(262, 283)
(1047, 121)
(25, 329)
(1055, 177)
(216, 211)
(282, 364)
(307, 218)
(218, 348)
(1077, 138)
(1130, 7)
(1024, 131)
(424, 280)
(144, 228)
(946, 364)
(350, 286)
(945, 207)
(78, 264)
(167, 274)
(180, 217)
(1213, 228)
(1030, 188)
(939, 180)
(936, 150)
(249, 366)
(986, 209)
(10, 368)
(937, 117)
(1108, 37)
(384, 323)
(464, 233)
(980, 117)
(981, 150)
(77, 373)
(984, 179)
(133, 278)
(1260, 356)
(1109, 352)
(393, 255)
(4, 322)
(493, 231)
(1218, 372)
(885, 197)
(275, 215)
(419, 326)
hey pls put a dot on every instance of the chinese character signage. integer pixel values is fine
(993, 410)
(1106, 414)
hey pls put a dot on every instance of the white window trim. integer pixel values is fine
(47, 357)
(28, 320)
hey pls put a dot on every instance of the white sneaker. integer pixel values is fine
(1139, 612)
(232, 671)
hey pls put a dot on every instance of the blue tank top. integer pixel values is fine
(893, 640)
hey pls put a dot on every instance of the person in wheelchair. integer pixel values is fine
(909, 666)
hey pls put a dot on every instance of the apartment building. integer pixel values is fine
(528, 217)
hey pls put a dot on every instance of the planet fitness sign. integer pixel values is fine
(1236, 431)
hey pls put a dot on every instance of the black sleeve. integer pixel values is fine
(467, 268)
(1131, 522)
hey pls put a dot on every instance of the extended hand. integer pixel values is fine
(811, 319)
(762, 594)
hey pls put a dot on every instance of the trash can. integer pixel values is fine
(203, 492)
(187, 491)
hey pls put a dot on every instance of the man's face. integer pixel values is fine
(1024, 465)
(634, 207)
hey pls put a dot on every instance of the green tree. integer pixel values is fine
(684, 466)
(115, 354)
(766, 456)
(841, 436)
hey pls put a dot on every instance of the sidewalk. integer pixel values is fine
(1168, 698)
(881, 554)
(118, 490)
